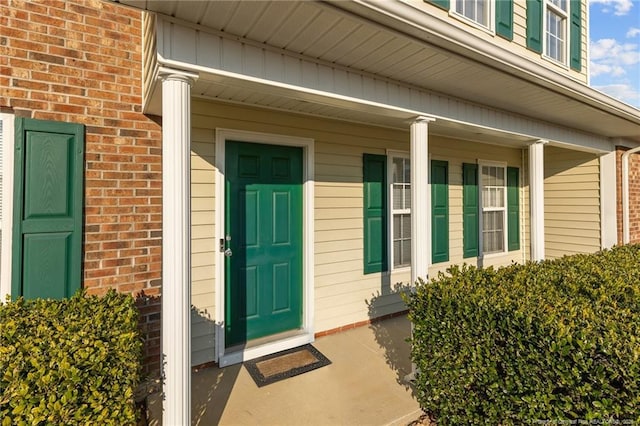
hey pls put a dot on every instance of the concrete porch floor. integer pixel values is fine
(364, 385)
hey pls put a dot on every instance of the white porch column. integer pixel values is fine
(420, 199)
(536, 195)
(176, 246)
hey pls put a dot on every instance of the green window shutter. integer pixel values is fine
(443, 4)
(534, 25)
(375, 213)
(439, 211)
(513, 208)
(470, 214)
(48, 198)
(504, 18)
(575, 35)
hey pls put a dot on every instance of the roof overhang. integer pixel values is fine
(397, 42)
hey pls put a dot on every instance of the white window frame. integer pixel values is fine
(391, 155)
(6, 223)
(489, 11)
(482, 209)
(550, 6)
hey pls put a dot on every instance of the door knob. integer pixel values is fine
(228, 252)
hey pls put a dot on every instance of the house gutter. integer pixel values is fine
(405, 18)
(625, 193)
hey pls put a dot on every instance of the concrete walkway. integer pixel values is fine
(363, 386)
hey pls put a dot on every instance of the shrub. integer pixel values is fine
(72, 361)
(549, 341)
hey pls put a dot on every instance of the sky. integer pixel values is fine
(614, 50)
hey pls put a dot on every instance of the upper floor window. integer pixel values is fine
(476, 10)
(556, 30)
(491, 14)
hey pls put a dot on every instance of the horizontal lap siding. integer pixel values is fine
(343, 293)
(203, 249)
(572, 202)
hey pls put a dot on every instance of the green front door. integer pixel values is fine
(264, 236)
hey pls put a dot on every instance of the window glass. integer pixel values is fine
(493, 208)
(401, 211)
(476, 10)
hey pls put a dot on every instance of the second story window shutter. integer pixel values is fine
(575, 35)
(444, 4)
(470, 216)
(504, 18)
(534, 25)
(375, 213)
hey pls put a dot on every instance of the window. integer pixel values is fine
(491, 209)
(401, 211)
(476, 10)
(493, 184)
(556, 30)
(490, 14)
(387, 211)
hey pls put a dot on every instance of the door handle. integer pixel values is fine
(223, 246)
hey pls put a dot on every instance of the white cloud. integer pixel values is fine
(633, 32)
(620, 7)
(623, 92)
(610, 57)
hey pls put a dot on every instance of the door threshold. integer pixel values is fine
(265, 346)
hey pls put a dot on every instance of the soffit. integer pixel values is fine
(327, 33)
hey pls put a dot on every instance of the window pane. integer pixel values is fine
(555, 36)
(397, 170)
(406, 226)
(401, 240)
(476, 10)
(397, 197)
(493, 232)
(407, 196)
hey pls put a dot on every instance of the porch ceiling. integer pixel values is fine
(420, 57)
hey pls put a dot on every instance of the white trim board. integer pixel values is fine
(223, 357)
(8, 142)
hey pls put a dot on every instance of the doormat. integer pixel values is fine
(282, 365)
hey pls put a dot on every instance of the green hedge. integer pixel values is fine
(551, 341)
(73, 361)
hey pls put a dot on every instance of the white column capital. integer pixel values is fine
(423, 119)
(539, 142)
(172, 74)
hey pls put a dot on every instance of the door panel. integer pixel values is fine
(264, 221)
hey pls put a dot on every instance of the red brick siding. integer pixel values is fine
(634, 195)
(81, 61)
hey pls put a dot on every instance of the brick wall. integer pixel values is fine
(634, 195)
(80, 61)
